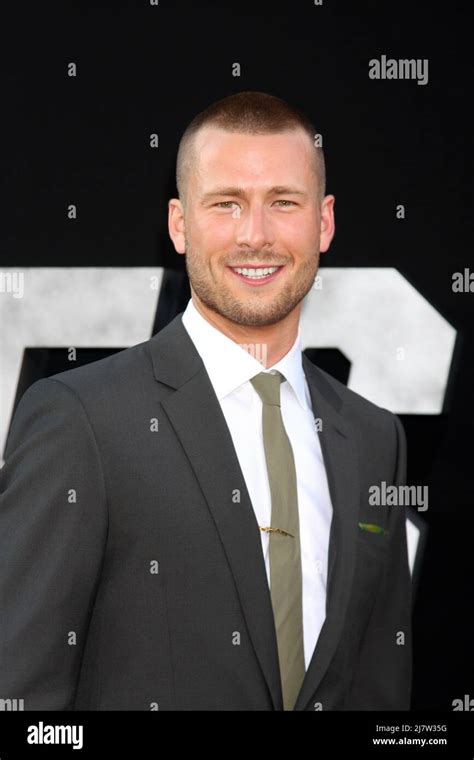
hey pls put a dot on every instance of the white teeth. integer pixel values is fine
(254, 274)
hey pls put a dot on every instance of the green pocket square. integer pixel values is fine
(371, 528)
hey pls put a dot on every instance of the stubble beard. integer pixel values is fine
(252, 311)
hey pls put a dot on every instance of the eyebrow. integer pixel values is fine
(238, 192)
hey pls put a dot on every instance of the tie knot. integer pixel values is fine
(267, 385)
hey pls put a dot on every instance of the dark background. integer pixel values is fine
(144, 69)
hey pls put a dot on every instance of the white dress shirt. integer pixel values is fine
(230, 368)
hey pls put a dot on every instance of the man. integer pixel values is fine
(186, 525)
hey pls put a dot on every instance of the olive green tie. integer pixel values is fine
(284, 538)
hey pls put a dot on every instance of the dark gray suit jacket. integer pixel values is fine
(132, 579)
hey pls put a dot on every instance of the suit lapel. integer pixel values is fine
(340, 459)
(195, 414)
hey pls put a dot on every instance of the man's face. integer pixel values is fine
(252, 203)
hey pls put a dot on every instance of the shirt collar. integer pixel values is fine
(230, 366)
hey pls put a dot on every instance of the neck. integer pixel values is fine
(267, 344)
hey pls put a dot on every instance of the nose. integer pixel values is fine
(254, 228)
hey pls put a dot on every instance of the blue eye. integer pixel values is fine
(229, 204)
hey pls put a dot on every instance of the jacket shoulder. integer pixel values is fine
(350, 400)
(112, 371)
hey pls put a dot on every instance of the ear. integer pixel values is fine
(328, 227)
(176, 227)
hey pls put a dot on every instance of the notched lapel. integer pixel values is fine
(195, 414)
(340, 459)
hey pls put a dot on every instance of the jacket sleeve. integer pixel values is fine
(383, 673)
(53, 527)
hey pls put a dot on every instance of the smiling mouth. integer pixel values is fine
(256, 274)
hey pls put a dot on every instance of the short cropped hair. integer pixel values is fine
(249, 112)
